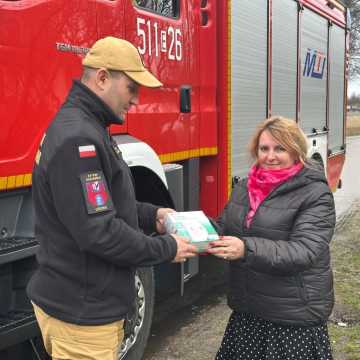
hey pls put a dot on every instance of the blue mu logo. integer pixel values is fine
(314, 64)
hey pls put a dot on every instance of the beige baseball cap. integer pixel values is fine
(120, 55)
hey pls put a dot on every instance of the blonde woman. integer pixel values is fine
(277, 227)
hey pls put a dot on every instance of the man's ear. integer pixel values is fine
(102, 79)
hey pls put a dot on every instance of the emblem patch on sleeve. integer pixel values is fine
(96, 193)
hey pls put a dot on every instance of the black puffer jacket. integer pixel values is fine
(285, 276)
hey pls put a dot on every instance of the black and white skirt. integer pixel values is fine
(248, 337)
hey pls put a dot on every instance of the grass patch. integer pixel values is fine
(345, 342)
(344, 324)
(353, 124)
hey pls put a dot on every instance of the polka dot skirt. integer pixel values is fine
(249, 337)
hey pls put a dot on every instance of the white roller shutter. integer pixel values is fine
(249, 76)
(284, 58)
(314, 34)
(336, 87)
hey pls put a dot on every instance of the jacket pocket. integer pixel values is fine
(302, 289)
(276, 287)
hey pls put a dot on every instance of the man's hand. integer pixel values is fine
(160, 215)
(184, 249)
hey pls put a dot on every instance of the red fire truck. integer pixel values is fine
(225, 64)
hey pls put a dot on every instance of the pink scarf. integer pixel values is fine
(262, 181)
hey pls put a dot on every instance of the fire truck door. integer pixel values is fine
(166, 35)
(158, 30)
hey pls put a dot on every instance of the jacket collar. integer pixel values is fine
(82, 96)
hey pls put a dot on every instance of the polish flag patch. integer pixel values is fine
(87, 151)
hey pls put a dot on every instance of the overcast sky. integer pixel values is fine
(354, 87)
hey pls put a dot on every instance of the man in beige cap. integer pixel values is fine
(87, 219)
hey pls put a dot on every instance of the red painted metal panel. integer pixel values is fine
(334, 167)
(37, 64)
(209, 186)
(224, 98)
(208, 74)
(192, 29)
(209, 56)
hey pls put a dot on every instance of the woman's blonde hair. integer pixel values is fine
(286, 132)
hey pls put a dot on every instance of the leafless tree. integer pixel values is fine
(354, 7)
(354, 101)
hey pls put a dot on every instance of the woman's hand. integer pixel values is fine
(228, 248)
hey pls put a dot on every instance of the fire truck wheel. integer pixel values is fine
(138, 323)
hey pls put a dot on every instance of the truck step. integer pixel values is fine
(16, 248)
(15, 319)
(16, 327)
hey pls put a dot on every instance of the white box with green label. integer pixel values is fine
(193, 225)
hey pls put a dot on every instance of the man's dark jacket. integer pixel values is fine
(285, 276)
(90, 242)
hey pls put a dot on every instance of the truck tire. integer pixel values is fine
(137, 325)
(39, 352)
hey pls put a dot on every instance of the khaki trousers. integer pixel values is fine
(77, 342)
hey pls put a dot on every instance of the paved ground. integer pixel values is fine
(194, 333)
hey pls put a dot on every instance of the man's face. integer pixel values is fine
(121, 93)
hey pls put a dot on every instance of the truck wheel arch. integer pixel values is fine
(316, 157)
(149, 187)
